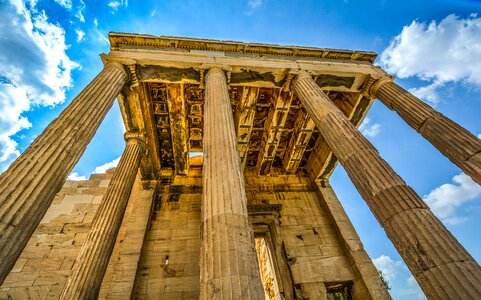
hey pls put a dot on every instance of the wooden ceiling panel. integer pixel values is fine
(273, 130)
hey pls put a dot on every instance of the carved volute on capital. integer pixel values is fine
(135, 136)
(373, 83)
(119, 66)
(221, 67)
(287, 83)
(214, 68)
(128, 66)
(134, 80)
(299, 74)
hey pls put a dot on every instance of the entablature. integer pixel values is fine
(275, 134)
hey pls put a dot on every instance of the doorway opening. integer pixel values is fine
(266, 266)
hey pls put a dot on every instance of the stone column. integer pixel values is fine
(456, 143)
(29, 185)
(92, 261)
(228, 263)
(442, 267)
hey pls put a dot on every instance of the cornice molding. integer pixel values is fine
(118, 40)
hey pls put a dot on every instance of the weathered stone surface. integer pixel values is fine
(91, 263)
(423, 242)
(456, 143)
(228, 260)
(42, 269)
(309, 251)
(370, 283)
(174, 231)
(118, 282)
(309, 246)
(29, 185)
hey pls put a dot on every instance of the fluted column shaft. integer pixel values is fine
(29, 185)
(456, 143)
(442, 267)
(92, 261)
(229, 268)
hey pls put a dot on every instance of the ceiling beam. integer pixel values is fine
(244, 116)
(273, 130)
(178, 120)
(303, 128)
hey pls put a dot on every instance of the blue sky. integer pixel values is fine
(49, 50)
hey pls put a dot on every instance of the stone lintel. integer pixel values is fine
(128, 40)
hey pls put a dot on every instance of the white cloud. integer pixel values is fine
(454, 220)
(253, 4)
(13, 102)
(411, 289)
(79, 12)
(389, 267)
(68, 5)
(80, 35)
(428, 93)
(98, 170)
(369, 129)
(107, 166)
(392, 269)
(445, 199)
(76, 177)
(34, 70)
(153, 13)
(65, 3)
(100, 36)
(115, 5)
(8, 152)
(442, 52)
(479, 136)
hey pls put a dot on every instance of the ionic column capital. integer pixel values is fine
(213, 69)
(132, 67)
(135, 136)
(217, 67)
(373, 83)
(288, 81)
(127, 66)
(119, 66)
(299, 74)
(293, 75)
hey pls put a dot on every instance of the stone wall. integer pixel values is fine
(44, 265)
(169, 265)
(310, 253)
(312, 243)
(307, 241)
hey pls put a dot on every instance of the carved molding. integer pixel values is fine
(134, 80)
(135, 136)
(287, 84)
(206, 67)
(264, 208)
(373, 83)
(118, 40)
(302, 74)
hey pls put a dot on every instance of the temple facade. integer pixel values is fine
(222, 190)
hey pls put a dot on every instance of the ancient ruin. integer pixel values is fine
(222, 191)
